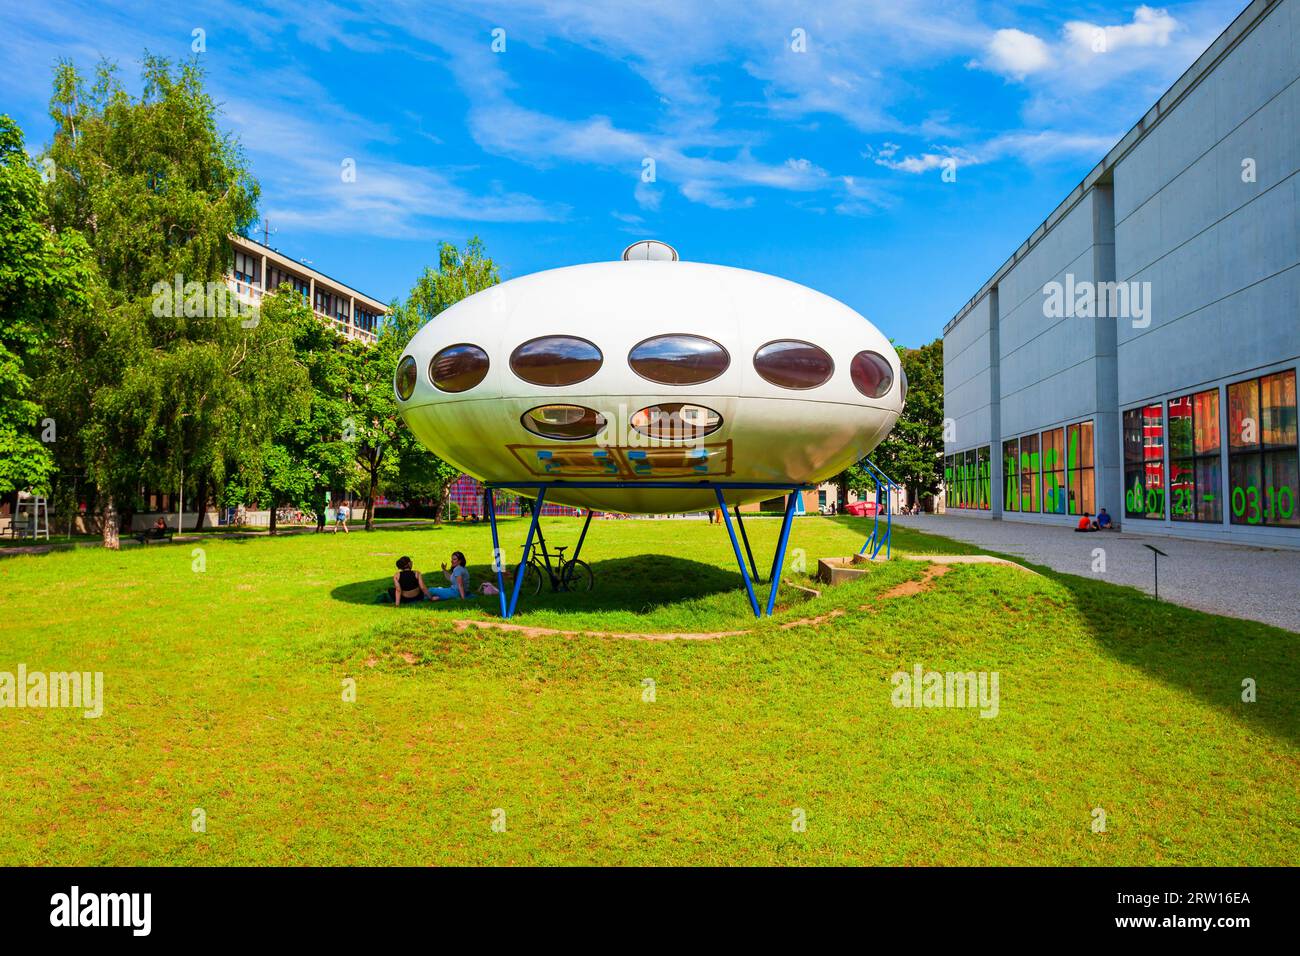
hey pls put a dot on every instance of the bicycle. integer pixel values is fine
(574, 574)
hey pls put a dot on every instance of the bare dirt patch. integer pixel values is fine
(529, 631)
(910, 588)
(819, 619)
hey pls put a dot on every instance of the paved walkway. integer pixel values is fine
(1257, 584)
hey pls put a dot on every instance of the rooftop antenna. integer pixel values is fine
(266, 232)
(1156, 557)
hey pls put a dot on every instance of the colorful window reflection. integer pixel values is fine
(1144, 462)
(1263, 476)
(1195, 473)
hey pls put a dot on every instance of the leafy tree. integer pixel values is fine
(386, 452)
(310, 452)
(460, 274)
(266, 460)
(157, 189)
(41, 275)
(912, 454)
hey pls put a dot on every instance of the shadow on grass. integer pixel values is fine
(1206, 655)
(641, 584)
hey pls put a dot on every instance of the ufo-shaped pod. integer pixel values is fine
(647, 372)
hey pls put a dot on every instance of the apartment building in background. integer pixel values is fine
(258, 269)
(1139, 351)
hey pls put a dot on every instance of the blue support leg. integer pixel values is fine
(753, 570)
(889, 518)
(528, 546)
(781, 542)
(735, 546)
(582, 537)
(498, 559)
(876, 550)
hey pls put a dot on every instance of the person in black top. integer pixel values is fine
(156, 533)
(408, 584)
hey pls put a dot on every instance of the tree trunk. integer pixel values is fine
(200, 502)
(273, 510)
(373, 489)
(111, 540)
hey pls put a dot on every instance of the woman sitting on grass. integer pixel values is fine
(459, 578)
(408, 584)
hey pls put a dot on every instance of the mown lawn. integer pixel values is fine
(223, 691)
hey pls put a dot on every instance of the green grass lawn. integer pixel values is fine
(223, 691)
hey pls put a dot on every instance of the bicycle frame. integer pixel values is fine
(546, 559)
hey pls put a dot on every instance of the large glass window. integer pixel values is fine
(1029, 466)
(983, 477)
(793, 364)
(1053, 452)
(563, 422)
(556, 360)
(1011, 475)
(1194, 470)
(675, 421)
(1144, 462)
(871, 374)
(1262, 457)
(678, 359)
(458, 368)
(968, 478)
(1080, 467)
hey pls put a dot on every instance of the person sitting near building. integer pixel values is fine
(156, 533)
(1103, 521)
(459, 578)
(408, 584)
(1085, 523)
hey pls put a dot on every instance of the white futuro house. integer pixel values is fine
(647, 370)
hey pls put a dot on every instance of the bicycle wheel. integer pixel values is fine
(532, 578)
(577, 576)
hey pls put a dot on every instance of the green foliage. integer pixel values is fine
(308, 452)
(153, 393)
(41, 275)
(118, 323)
(459, 275)
(912, 454)
(386, 451)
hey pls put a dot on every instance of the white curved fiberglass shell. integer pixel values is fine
(768, 433)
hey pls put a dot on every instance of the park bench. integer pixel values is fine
(153, 537)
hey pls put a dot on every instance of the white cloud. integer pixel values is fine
(1016, 53)
(1029, 147)
(1150, 27)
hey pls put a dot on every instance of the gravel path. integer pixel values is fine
(1257, 584)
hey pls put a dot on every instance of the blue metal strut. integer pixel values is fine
(498, 559)
(528, 547)
(781, 542)
(740, 559)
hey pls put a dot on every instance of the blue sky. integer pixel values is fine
(805, 140)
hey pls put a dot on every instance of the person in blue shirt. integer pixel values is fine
(459, 578)
(1103, 520)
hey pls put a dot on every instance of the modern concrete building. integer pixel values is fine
(1139, 351)
(258, 268)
